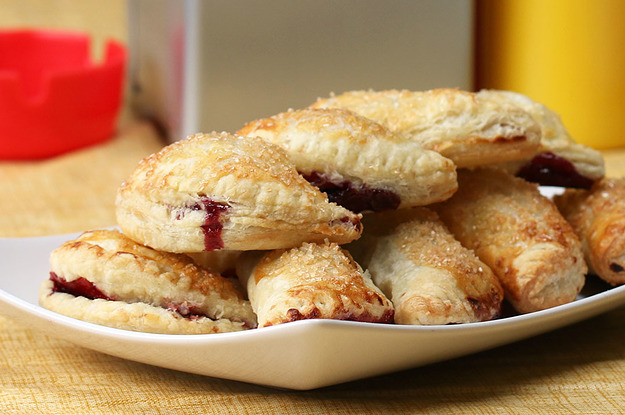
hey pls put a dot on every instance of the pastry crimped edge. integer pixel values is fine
(261, 201)
(312, 281)
(470, 129)
(345, 147)
(141, 289)
(428, 275)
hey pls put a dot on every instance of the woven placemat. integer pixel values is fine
(74, 192)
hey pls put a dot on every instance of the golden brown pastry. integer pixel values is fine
(469, 128)
(105, 278)
(598, 218)
(518, 233)
(559, 161)
(313, 281)
(217, 261)
(428, 275)
(359, 163)
(220, 191)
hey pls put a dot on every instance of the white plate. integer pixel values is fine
(299, 355)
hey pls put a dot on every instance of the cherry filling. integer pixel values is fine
(548, 169)
(355, 198)
(80, 287)
(186, 310)
(212, 226)
(614, 267)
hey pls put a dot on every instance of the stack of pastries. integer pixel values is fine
(386, 207)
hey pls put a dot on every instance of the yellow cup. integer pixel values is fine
(566, 54)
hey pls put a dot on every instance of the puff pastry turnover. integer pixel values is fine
(105, 278)
(359, 163)
(518, 233)
(559, 161)
(220, 191)
(471, 129)
(598, 218)
(313, 281)
(428, 275)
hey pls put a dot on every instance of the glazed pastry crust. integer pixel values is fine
(130, 316)
(347, 147)
(216, 261)
(518, 233)
(555, 139)
(138, 279)
(428, 275)
(313, 281)
(470, 129)
(598, 218)
(264, 203)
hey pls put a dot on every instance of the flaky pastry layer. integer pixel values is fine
(519, 234)
(562, 161)
(469, 128)
(345, 147)
(313, 281)
(428, 275)
(598, 218)
(105, 266)
(220, 191)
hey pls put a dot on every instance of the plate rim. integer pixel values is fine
(506, 330)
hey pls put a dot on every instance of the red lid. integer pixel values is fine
(53, 98)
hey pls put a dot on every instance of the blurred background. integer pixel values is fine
(566, 54)
(202, 65)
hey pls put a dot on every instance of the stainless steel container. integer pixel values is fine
(204, 65)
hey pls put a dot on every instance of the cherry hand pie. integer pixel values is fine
(519, 234)
(359, 163)
(105, 278)
(471, 129)
(428, 275)
(220, 191)
(313, 281)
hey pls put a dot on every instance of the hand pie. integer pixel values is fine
(313, 281)
(559, 161)
(598, 218)
(105, 278)
(428, 275)
(359, 163)
(470, 129)
(219, 191)
(519, 234)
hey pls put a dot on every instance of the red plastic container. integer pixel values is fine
(53, 98)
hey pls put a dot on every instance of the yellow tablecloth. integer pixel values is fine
(578, 369)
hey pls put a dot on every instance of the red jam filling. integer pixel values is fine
(212, 226)
(80, 287)
(186, 310)
(294, 314)
(355, 198)
(614, 267)
(548, 169)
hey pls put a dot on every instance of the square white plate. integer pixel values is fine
(299, 355)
